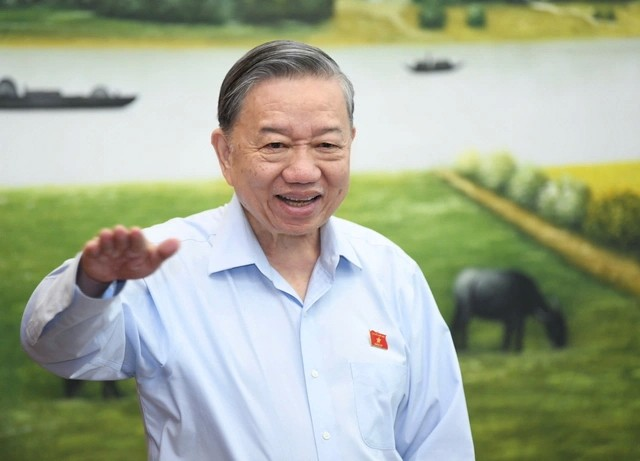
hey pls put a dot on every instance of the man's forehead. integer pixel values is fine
(285, 82)
(278, 95)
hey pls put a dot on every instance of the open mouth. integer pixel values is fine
(297, 202)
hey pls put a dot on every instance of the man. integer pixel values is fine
(265, 329)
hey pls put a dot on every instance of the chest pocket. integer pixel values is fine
(378, 389)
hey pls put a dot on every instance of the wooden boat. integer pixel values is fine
(53, 99)
(433, 65)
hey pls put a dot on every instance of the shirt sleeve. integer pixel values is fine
(433, 421)
(71, 334)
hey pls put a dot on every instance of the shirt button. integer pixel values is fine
(314, 373)
(326, 435)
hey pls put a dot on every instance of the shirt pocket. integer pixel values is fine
(378, 389)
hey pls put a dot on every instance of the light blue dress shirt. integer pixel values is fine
(231, 364)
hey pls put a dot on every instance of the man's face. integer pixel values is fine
(288, 154)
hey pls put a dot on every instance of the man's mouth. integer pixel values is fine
(297, 202)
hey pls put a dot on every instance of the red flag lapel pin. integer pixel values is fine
(378, 340)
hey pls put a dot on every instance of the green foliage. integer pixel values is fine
(468, 165)
(615, 220)
(206, 11)
(604, 12)
(269, 11)
(11, 3)
(496, 171)
(88, 4)
(525, 185)
(433, 14)
(564, 202)
(492, 171)
(476, 16)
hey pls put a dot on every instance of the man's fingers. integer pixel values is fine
(168, 248)
(137, 242)
(122, 253)
(120, 239)
(92, 248)
(105, 242)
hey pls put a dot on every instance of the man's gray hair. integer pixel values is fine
(276, 59)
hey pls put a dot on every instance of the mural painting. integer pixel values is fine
(496, 144)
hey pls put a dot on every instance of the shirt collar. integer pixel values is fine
(235, 244)
(336, 245)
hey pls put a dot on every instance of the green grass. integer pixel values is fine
(579, 403)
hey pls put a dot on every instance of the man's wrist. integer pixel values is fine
(89, 286)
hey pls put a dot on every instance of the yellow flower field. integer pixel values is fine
(602, 178)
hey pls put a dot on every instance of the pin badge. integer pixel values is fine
(378, 340)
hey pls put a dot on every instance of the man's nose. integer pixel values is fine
(302, 166)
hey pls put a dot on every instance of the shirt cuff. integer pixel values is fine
(57, 292)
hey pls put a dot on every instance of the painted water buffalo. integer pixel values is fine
(507, 296)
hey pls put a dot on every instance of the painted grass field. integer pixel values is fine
(578, 403)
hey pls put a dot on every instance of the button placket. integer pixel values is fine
(318, 394)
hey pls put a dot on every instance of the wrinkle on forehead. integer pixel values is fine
(271, 100)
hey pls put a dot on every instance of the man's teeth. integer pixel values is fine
(296, 201)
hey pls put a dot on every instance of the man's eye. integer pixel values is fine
(327, 146)
(274, 146)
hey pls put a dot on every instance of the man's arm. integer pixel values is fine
(433, 423)
(72, 323)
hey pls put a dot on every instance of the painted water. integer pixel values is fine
(547, 103)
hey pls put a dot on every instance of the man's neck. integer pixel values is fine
(294, 257)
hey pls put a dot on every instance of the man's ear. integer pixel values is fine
(223, 151)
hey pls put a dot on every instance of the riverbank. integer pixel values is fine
(356, 22)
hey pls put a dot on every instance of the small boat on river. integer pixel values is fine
(54, 99)
(429, 64)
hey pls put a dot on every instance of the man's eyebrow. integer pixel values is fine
(269, 129)
(334, 129)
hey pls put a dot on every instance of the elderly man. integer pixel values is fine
(265, 329)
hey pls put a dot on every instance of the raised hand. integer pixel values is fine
(120, 254)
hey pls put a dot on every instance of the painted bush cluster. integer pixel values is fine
(432, 14)
(615, 220)
(198, 11)
(612, 219)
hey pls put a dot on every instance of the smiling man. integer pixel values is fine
(287, 157)
(267, 329)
